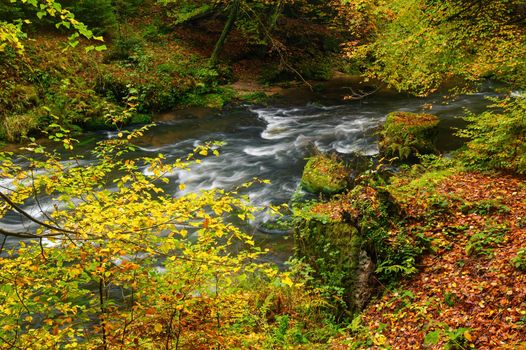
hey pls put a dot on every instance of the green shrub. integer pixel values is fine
(124, 48)
(407, 135)
(317, 68)
(483, 242)
(98, 15)
(10, 11)
(126, 8)
(484, 207)
(16, 127)
(324, 174)
(519, 261)
(497, 138)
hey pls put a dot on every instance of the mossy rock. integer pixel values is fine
(324, 174)
(16, 127)
(140, 118)
(98, 123)
(334, 251)
(280, 226)
(406, 135)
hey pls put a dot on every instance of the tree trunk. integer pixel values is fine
(234, 10)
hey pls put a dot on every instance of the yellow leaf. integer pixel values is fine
(379, 339)
(468, 336)
(286, 280)
(158, 327)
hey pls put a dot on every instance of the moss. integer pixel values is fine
(18, 126)
(318, 68)
(281, 225)
(406, 135)
(99, 123)
(324, 174)
(257, 97)
(139, 118)
(333, 251)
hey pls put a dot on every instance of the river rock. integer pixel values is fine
(342, 240)
(324, 174)
(344, 269)
(406, 135)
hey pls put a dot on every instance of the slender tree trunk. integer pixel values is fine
(102, 286)
(234, 10)
(275, 16)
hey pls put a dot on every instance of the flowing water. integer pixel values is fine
(272, 142)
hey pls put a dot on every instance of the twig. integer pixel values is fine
(3, 243)
(31, 218)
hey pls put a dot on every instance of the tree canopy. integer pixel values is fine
(417, 45)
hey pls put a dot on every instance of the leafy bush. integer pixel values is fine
(98, 15)
(497, 137)
(318, 68)
(126, 8)
(10, 11)
(124, 48)
(131, 273)
(481, 243)
(16, 127)
(519, 261)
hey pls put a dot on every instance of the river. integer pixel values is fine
(271, 142)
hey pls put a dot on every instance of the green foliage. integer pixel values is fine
(422, 179)
(309, 68)
(186, 10)
(497, 137)
(456, 339)
(124, 48)
(255, 97)
(124, 9)
(417, 45)
(484, 207)
(317, 68)
(519, 260)
(406, 135)
(11, 33)
(324, 174)
(135, 267)
(99, 15)
(481, 243)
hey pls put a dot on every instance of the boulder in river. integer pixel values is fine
(406, 135)
(324, 174)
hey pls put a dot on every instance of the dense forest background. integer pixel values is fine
(417, 250)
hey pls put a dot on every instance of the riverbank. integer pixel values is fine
(148, 64)
(446, 237)
(469, 289)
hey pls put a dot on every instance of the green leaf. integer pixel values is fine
(432, 338)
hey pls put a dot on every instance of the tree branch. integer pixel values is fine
(31, 218)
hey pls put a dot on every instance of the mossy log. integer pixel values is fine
(406, 135)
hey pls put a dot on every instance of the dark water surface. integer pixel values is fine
(272, 142)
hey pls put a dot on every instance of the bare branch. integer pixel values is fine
(31, 218)
(360, 94)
